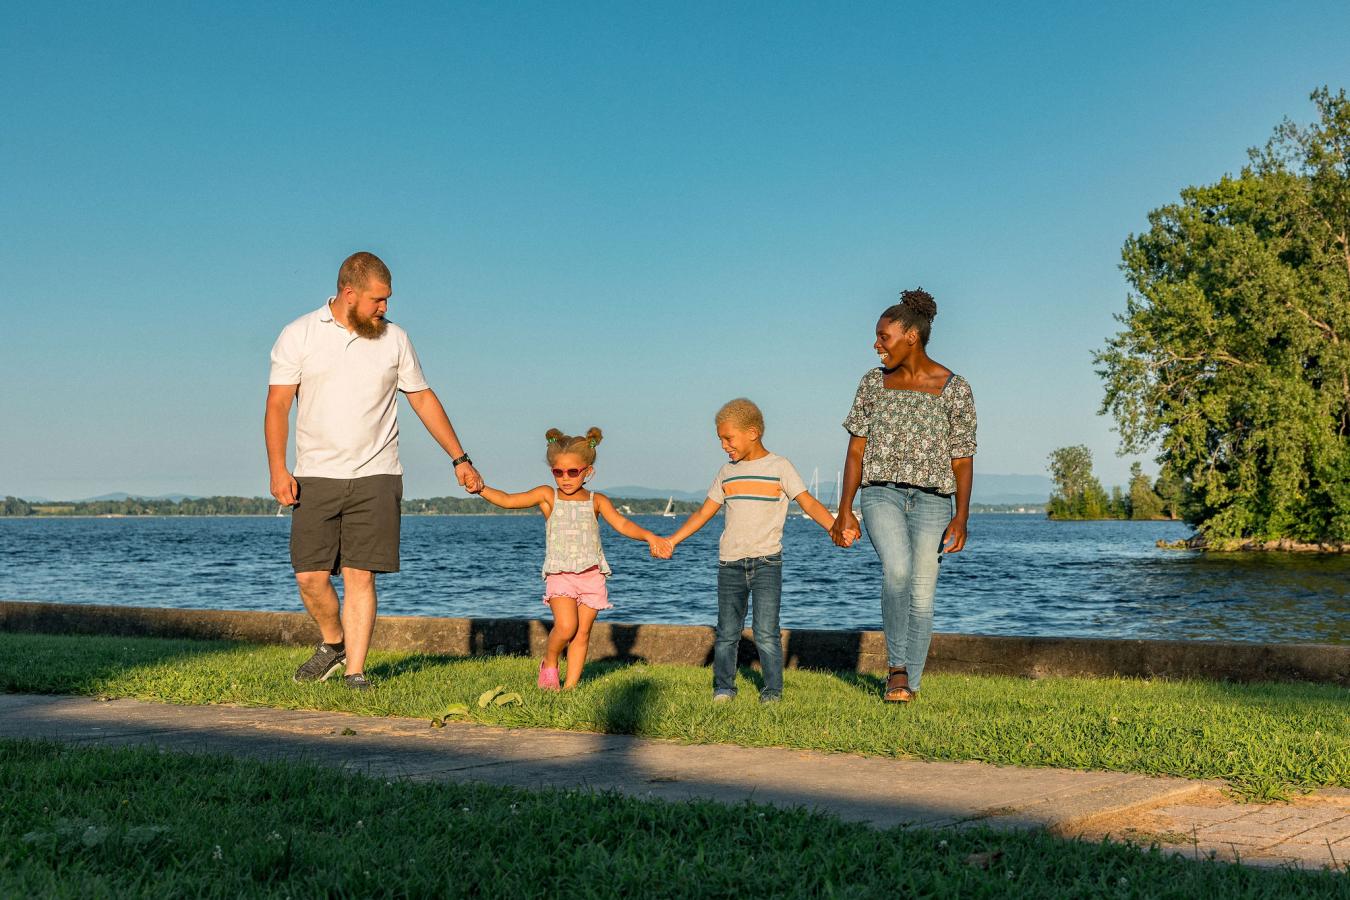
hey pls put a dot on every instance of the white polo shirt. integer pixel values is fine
(347, 425)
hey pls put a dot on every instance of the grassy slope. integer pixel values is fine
(1263, 739)
(77, 822)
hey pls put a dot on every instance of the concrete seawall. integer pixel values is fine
(860, 651)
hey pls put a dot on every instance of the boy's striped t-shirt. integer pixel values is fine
(756, 495)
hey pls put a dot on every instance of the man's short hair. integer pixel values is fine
(742, 413)
(358, 269)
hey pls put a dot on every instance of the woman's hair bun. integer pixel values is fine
(920, 302)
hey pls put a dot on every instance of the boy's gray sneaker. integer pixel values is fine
(357, 682)
(322, 664)
(723, 696)
(770, 697)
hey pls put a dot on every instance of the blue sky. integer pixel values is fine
(609, 214)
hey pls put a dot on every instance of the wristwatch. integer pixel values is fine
(454, 463)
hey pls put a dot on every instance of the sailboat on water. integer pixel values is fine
(814, 489)
(669, 511)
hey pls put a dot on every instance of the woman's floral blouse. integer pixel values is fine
(913, 436)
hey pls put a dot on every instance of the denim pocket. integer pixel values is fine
(775, 560)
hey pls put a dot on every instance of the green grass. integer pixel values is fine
(102, 822)
(1264, 740)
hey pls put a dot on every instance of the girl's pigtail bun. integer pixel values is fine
(594, 436)
(553, 435)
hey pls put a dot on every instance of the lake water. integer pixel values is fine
(1021, 574)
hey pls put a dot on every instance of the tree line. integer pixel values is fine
(1078, 494)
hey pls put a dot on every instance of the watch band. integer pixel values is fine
(460, 459)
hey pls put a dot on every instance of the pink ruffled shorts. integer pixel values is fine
(586, 587)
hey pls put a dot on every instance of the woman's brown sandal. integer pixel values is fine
(897, 686)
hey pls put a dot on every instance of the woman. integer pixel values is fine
(911, 449)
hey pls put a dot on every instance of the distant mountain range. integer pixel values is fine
(123, 495)
(637, 492)
(989, 488)
(119, 495)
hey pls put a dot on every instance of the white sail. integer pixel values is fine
(669, 511)
(815, 488)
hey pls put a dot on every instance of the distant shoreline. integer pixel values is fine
(425, 515)
(265, 508)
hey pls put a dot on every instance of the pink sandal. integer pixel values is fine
(548, 678)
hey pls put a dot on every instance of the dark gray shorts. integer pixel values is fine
(346, 522)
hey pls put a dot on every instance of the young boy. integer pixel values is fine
(756, 486)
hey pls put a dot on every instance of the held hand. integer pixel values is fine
(661, 547)
(469, 478)
(954, 538)
(846, 529)
(284, 488)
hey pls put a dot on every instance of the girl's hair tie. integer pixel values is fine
(553, 440)
(591, 442)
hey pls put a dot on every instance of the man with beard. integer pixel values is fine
(346, 363)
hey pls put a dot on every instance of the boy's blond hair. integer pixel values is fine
(582, 445)
(742, 413)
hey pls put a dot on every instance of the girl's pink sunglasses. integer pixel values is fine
(570, 473)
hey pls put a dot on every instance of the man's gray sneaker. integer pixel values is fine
(357, 682)
(723, 696)
(322, 664)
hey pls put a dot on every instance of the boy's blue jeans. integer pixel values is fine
(905, 525)
(760, 578)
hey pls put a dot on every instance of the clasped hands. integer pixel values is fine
(468, 478)
(846, 529)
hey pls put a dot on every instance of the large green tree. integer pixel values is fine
(1077, 493)
(1144, 501)
(1235, 353)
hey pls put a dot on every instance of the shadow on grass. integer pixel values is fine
(62, 664)
(626, 707)
(873, 685)
(417, 662)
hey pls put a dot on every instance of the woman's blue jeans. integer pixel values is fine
(760, 578)
(906, 525)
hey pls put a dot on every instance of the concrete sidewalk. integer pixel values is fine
(1192, 816)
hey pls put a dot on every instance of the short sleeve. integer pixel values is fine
(715, 493)
(287, 354)
(960, 418)
(410, 377)
(859, 419)
(793, 486)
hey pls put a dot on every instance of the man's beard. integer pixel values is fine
(367, 328)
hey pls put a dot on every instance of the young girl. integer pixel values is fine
(574, 563)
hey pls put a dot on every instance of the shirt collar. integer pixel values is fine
(325, 312)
